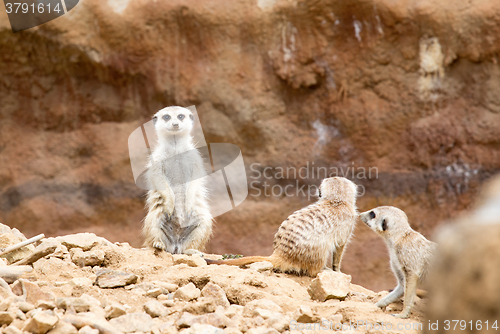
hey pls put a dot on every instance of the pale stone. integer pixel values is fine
(114, 310)
(133, 322)
(190, 260)
(112, 279)
(329, 285)
(155, 309)
(41, 323)
(266, 304)
(215, 293)
(62, 327)
(187, 292)
(85, 241)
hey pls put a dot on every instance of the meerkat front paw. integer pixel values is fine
(381, 304)
(159, 245)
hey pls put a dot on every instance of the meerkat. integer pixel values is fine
(409, 251)
(178, 215)
(313, 239)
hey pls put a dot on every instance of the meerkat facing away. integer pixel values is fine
(313, 238)
(178, 215)
(409, 251)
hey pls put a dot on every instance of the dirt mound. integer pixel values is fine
(87, 284)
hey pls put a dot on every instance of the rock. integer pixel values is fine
(34, 293)
(85, 241)
(201, 306)
(88, 330)
(25, 306)
(76, 303)
(190, 260)
(47, 247)
(155, 309)
(215, 293)
(203, 329)
(81, 282)
(262, 330)
(63, 327)
(232, 330)
(133, 322)
(278, 321)
(6, 302)
(305, 314)
(112, 279)
(329, 285)
(45, 304)
(265, 304)
(261, 266)
(9, 239)
(114, 310)
(13, 330)
(233, 310)
(6, 318)
(187, 292)
(41, 323)
(214, 319)
(94, 257)
(166, 302)
(155, 292)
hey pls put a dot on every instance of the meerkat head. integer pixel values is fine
(386, 221)
(173, 121)
(338, 189)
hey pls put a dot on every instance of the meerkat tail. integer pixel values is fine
(242, 261)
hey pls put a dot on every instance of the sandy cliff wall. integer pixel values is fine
(410, 88)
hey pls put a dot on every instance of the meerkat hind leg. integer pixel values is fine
(410, 291)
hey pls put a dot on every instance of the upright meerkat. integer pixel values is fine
(313, 238)
(410, 253)
(178, 215)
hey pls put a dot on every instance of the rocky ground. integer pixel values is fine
(82, 283)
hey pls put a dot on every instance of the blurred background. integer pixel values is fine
(409, 88)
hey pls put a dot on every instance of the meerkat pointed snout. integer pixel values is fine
(409, 251)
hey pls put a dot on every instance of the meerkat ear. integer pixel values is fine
(155, 119)
(384, 225)
(191, 116)
(319, 192)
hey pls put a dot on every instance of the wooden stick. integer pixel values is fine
(11, 273)
(22, 244)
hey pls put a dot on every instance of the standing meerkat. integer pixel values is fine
(313, 238)
(409, 251)
(178, 215)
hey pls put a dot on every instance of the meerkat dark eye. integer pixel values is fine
(181, 117)
(384, 225)
(372, 214)
(155, 119)
(166, 118)
(192, 117)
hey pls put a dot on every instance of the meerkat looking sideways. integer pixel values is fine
(409, 251)
(313, 238)
(178, 215)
